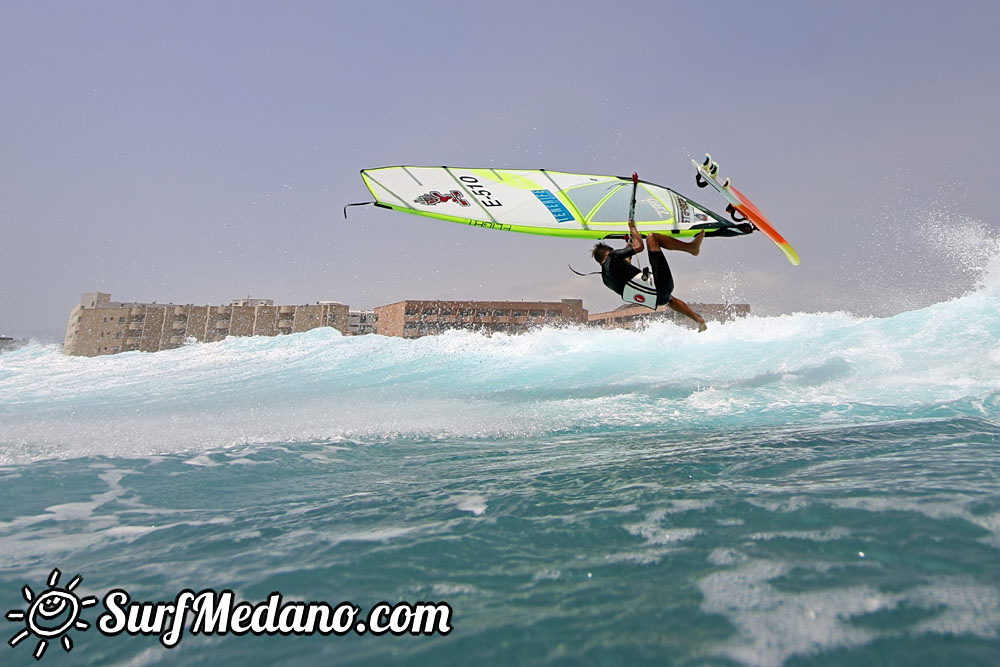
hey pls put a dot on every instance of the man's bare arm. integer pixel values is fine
(635, 237)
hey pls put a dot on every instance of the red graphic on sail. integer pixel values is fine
(433, 198)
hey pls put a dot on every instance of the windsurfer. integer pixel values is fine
(617, 269)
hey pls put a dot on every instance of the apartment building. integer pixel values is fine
(100, 326)
(361, 322)
(412, 319)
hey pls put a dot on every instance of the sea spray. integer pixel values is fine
(802, 368)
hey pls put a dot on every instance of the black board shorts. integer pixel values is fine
(662, 276)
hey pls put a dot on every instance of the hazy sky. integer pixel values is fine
(198, 152)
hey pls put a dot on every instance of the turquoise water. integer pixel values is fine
(810, 489)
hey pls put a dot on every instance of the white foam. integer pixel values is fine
(772, 625)
(775, 625)
(826, 535)
(474, 503)
(323, 387)
(654, 532)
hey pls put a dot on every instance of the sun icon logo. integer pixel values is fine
(51, 614)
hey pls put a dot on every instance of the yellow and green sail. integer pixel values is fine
(538, 201)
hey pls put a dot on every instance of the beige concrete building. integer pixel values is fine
(361, 322)
(629, 316)
(412, 319)
(100, 326)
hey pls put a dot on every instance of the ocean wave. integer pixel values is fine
(803, 368)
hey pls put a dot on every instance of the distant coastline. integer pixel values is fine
(7, 343)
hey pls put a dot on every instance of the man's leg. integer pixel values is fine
(655, 241)
(684, 309)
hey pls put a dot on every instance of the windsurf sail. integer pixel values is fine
(538, 201)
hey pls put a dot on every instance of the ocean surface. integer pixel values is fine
(811, 489)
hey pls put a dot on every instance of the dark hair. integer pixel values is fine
(601, 250)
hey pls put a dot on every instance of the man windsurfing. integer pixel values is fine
(617, 270)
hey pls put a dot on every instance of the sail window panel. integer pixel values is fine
(586, 197)
(653, 203)
(615, 208)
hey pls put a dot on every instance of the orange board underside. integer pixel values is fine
(748, 209)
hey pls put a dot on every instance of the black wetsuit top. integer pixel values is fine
(617, 271)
